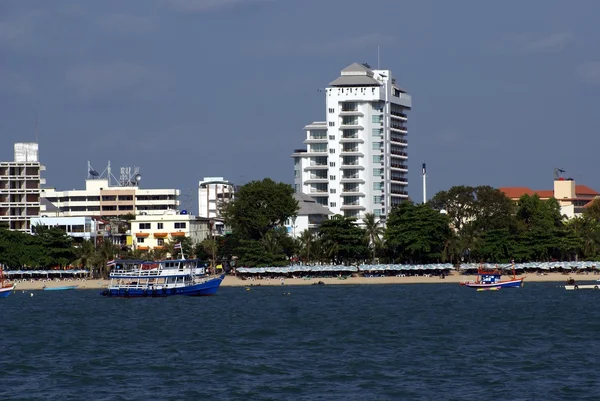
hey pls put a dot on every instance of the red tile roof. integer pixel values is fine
(585, 190)
(517, 192)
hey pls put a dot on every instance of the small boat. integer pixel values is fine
(5, 289)
(134, 278)
(489, 279)
(572, 285)
(61, 288)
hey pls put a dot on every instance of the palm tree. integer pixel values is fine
(105, 252)
(373, 232)
(306, 239)
(85, 255)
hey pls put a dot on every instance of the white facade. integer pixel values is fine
(20, 183)
(213, 193)
(153, 232)
(309, 216)
(100, 199)
(77, 227)
(356, 160)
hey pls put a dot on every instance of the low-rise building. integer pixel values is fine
(571, 197)
(155, 231)
(309, 217)
(76, 227)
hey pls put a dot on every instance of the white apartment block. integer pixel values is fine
(99, 198)
(20, 184)
(356, 161)
(213, 194)
(153, 232)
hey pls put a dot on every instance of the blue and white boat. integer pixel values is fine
(488, 279)
(134, 278)
(61, 288)
(5, 289)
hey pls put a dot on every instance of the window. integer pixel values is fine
(377, 158)
(377, 172)
(332, 110)
(140, 240)
(296, 175)
(331, 164)
(331, 123)
(144, 226)
(160, 242)
(377, 212)
(332, 137)
(377, 186)
(377, 199)
(377, 132)
(377, 145)
(180, 225)
(332, 178)
(332, 204)
(160, 226)
(297, 188)
(332, 191)
(331, 150)
(376, 119)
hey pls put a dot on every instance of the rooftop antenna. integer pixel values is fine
(558, 173)
(424, 183)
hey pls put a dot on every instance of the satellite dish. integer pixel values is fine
(138, 177)
(94, 173)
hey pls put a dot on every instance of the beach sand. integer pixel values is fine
(232, 281)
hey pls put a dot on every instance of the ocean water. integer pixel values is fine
(370, 342)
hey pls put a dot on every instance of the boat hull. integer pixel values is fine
(500, 284)
(205, 288)
(582, 287)
(63, 288)
(6, 291)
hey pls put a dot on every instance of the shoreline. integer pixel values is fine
(233, 281)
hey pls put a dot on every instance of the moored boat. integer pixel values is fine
(5, 289)
(131, 278)
(492, 279)
(572, 285)
(61, 288)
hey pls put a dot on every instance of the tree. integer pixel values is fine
(306, 241)
(373, 232)
(343, 240)
(258, 207)
(85, 256)
(417, 233)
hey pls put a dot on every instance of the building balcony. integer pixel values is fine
(160, 235)
(351, 140)
(352, 180)
(316, 180)
(143, 247)
(313, 153)
(351, 126)
(352, 206)
(401, 181)
(398, 192)
(355, 192)
(399, 129)
(402, 167)
(352, 166)
(399, 115)
(401, 141)
(351, 113)
(351, 152)
(317, 167)
(178, 234)
(315, 140)
(399, 153)
(142, 235)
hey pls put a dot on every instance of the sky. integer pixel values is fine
(503, 92)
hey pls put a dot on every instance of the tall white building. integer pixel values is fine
(20, 184)
(356, 160)
(213, 194)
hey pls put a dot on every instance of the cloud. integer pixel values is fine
(17, 29)
(590, 72)
(555, 41)
(200, 6)
(353, 43)
(15, 84)
(97, 81)
(124, 24)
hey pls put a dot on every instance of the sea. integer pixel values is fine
(346, 342)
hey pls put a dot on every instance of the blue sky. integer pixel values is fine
(503, 92)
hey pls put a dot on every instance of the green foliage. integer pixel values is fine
(342, 240)
(417, 233)
(50, 247)
(260, 206)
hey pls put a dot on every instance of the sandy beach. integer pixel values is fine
(232, 281)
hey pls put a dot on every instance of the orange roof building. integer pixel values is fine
(572, 198)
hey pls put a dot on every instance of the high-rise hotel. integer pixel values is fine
(356, 161)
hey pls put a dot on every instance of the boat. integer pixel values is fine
(489, 279)
(134, 278)
(61, 288)
(572, 285)
(5, 288)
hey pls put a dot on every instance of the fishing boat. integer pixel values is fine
(134, 278)
(5, 288)
(61, 288)
(492, 279)
(572, 285)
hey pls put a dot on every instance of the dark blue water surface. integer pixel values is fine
(371, 342)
